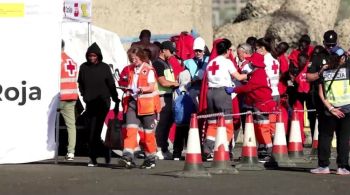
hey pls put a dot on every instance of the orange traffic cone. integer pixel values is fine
(193, 163)
(279, 149)
(313, 153)
(221, 163)
(249, 156)
(295, 146)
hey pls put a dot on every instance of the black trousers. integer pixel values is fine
(181, 136)
(165, 122)
(96, 112)
(342, 130)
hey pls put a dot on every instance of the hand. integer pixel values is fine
(229, 90)
(337, 113)
(176, 84)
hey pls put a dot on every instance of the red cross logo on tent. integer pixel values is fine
(213, 68)
(274, 67)
(70, 67)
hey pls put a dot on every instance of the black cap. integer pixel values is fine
(305, 38)
(330, 37)
(168, 45)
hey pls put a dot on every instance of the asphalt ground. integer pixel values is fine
(76, 178)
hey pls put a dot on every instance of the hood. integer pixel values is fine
(94, 48)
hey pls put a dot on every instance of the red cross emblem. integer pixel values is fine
(70, 67)
(274, 67)
(213, 68)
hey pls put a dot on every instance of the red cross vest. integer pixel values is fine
(69, 71)
(147, 103)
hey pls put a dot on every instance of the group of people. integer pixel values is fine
(264, 77)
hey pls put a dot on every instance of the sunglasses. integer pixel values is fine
(198, 51)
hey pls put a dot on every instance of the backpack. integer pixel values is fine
(183, 107)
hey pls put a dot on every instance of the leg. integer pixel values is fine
(325, 137)
(165, 122)
(132, 126)
(343, 132)
(68, 113)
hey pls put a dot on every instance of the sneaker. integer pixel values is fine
(127, 163)
(159, 155)
(321, 170)
(264, 159)
(92, 164)
(177, 157)
(208, 156)
(167, 155)
(342, 171)
(70, 156)
(148, 164)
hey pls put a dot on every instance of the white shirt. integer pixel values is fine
(273, 72)
(219, 72)
(150, 79)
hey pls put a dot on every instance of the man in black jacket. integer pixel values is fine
(97, 86)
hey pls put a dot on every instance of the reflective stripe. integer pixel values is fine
(211, 138)
(262, 121)
(228, 121)
(148, 131)
(211, 121)
(69, 91)
(132, 126)
(68, 80)
(128, 150)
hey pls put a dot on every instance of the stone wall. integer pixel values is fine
(128, 17)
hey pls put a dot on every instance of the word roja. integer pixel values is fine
(20, 94)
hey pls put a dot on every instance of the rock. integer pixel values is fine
(343, 30)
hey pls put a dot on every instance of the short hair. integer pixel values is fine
(282, 47)
(139, 52)
(246, 48)
(223, 46)
(145, 33)
(251, 41)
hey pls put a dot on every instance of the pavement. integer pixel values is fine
(76, 178)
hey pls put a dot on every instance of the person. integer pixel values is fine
(265, 46)
(281, 49)
(96, 86)
(252, 42)
(259, 99)
(145, 43)
(219, 73)
(334, 92)
(166, 83)
(196, 67)
(140, 105)
(68, 99)
(319, 62)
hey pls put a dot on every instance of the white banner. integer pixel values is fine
(78, 10)
(30, 40)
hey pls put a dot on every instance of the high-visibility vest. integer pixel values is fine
(147, 103)
(69, 72)
(339, 93)
(169, 76)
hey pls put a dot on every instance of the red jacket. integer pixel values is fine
(177, 67)
(257, 91)
(284, 65)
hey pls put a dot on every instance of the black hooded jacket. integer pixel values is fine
(96, 80)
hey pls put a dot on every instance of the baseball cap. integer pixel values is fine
(257, 60)
(168, 45)
(199, 44)
(330, 37)
(337, 50)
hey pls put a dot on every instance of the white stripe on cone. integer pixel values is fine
(280, 136)
(295, 135)
(221, 138)
(316, 131)
(249, 139)
(193, 145)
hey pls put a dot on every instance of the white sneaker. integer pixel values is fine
(167, 155)
(70, 156)
(321, 170)
(159, 155)
(342, 171)
(91, 164)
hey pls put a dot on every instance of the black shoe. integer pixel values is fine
(207, 156)
(148, 164)
(108, 157)
(127, 162)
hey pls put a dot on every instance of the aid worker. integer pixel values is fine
(258, 97)
(141, 106)
(219, 73)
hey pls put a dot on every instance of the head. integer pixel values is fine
(282, 48)
(199, 47)
(330, 38)
(338, 57)
(145, 35)
(256, 60)
(244, 50)
(94, 54)
(319, 49)
(62, 45)
(304, 42)
(265, 45)
(224, 47)
(302, 60)
(167, 49)
(137, 56)
(252, 42)
(148, 53)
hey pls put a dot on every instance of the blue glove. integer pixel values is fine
(229, 90)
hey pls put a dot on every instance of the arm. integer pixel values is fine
(165, 83)
(246, 88)
(148, 89)
(335, 111)
(80, 82)
(238, 76)
(111, 85)
(310, 77)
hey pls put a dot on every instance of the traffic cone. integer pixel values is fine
(193, 163)
(279, 150)
(249, 155)
(295, 146)
(313, 153)
(221, 163)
